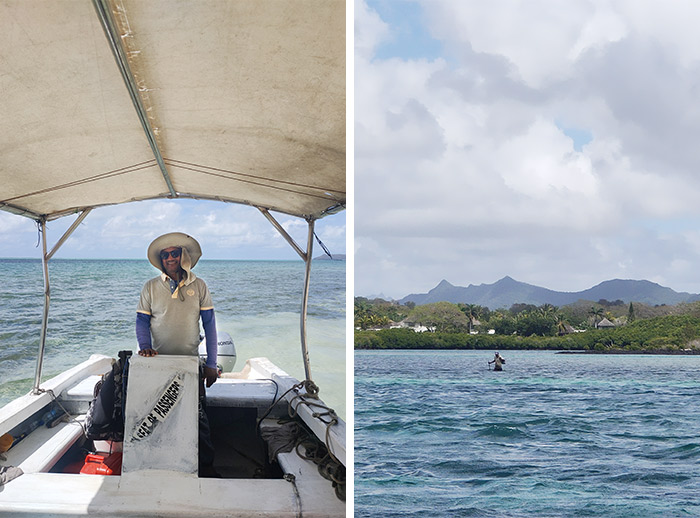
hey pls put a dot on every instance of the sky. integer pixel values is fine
(553, 142)
(224, 231)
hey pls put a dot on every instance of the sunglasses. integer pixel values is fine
(175, 253)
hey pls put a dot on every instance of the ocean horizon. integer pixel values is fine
(203, 260)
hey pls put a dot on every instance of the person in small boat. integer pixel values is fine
(498, 362)
(168, 314)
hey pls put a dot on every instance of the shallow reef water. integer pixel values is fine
(438, 434)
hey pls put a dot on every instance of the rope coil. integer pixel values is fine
(321, 454)
(315, 451)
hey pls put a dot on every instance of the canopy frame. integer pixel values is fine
(47, 290)
(265, 128)
(307, 257)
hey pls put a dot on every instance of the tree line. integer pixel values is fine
(637, 327)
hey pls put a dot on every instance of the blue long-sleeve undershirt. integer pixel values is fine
(143, 333)
(209, 325)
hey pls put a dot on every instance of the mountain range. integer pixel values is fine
(507, 291)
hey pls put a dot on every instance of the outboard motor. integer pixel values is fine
(226, 351)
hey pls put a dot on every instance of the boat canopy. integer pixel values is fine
(112, 101)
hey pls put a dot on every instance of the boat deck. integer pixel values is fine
(246, 483)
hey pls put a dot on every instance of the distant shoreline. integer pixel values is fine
(692, 352)
(618, 352)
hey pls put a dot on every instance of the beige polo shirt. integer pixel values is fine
(175, 316)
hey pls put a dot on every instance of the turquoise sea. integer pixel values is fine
(437, 434)
(93, 310)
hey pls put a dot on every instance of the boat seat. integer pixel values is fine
(76, 399)
(228, 392)
(40, 450)
(83, 391)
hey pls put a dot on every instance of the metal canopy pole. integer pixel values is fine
(305, 299)
(113, 37)
(283, 232)
(67, 233)
(306, 256)
(47, 290)
(47, 298)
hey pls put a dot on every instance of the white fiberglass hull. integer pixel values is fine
(300, 491)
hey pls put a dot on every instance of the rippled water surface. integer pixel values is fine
(437, 434)
(93, 310)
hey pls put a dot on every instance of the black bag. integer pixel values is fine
(105, 417)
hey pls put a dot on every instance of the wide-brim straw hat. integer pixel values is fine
(188, 243)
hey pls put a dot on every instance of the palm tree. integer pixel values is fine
(597, 313)
(547, 310)
(561, 324)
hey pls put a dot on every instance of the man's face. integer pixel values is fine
(170, 263)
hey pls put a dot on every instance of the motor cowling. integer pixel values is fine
(226, 351)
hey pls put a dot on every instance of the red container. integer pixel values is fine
(103, 464)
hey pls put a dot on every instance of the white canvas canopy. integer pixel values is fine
(111, 101)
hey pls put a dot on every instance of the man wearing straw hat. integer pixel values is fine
(169, 311)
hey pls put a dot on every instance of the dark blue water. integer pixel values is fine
(439, 435)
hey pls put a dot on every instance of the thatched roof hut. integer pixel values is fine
(605, 324)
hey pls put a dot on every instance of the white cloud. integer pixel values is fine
(542, 161)
(225, 231)
(370, 30)
(535, 37)
(10, 223)
(463, 170)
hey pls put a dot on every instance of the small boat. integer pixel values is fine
(116, 101)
